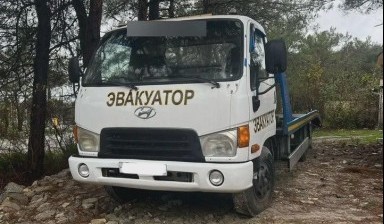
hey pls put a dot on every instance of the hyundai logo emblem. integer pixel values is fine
(145, 112)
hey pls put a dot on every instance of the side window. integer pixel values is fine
(257, 68)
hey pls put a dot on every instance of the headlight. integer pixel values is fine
(223, 144)
(88, 141)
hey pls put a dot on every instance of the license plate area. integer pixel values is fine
(143, 169)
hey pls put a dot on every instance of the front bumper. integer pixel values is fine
(237, 176)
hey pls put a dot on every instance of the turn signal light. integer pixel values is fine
(243, 136)
(255, 148)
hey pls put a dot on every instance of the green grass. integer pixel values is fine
(364, 136)
(13, 165)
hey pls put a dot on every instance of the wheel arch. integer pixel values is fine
(271, 144)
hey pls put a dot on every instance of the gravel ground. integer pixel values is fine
(339, 183)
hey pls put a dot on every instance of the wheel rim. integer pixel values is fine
(262, 184)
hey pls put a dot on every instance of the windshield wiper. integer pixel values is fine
(198, 78)
(114, 83)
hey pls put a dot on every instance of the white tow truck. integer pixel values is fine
(187, 104)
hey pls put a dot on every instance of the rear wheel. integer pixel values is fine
(257, 198)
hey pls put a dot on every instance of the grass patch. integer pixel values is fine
(55, 162)
(12, 168)
(13, 165)
(363, 136)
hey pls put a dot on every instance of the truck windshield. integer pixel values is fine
(218, 56)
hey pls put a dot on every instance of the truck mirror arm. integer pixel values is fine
(255, 99)
(75, 88)
(267, 90)
(263, 79)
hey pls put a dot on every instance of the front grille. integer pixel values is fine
(115, 172)
(151, 144)
(171, 176)
(176, 177)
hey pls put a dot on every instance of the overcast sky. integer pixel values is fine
(356, 24)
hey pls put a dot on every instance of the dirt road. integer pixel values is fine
(339, 183)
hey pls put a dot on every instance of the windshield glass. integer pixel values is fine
(141, 60)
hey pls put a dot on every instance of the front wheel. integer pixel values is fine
(121, 194)
(259, 197)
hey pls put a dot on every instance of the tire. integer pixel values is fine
(122, 195)
(259, 197)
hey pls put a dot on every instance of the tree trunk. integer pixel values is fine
(154, 9)
(39, 94)
(171, 10)
(380, 118)
(19, 112)
(94, 23)
(4, 118)
(207, 6)
(143, 10)
(89, 27)
(20, 117)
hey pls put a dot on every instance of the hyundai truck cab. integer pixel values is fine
(179, 105)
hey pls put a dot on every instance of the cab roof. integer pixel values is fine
(244, 19)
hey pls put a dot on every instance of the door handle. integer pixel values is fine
(255, 103)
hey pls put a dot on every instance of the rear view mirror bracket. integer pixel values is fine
(74, 72)
(267, 90)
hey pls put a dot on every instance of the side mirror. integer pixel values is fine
(74, 70)
(276, 56)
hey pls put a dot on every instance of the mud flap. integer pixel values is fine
(295, 156)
